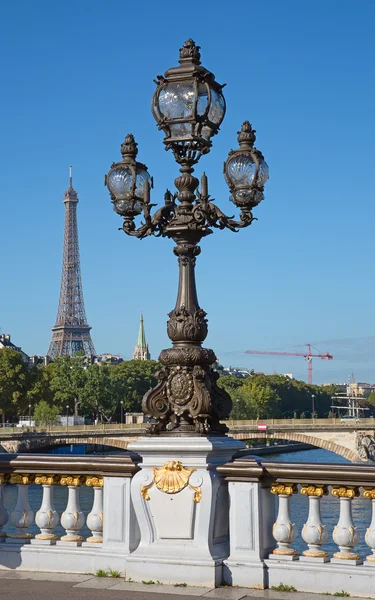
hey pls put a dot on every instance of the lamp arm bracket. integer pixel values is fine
(206, 213)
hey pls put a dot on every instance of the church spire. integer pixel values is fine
(141, 349)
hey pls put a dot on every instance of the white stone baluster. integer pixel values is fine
(95, 517)
(4, 517)
(283, 530)
(22, 516)
(72, 518)
(47, 516)
(370, 533)
(314, 533)
(345, 535)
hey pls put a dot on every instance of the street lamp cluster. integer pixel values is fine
(189, 106)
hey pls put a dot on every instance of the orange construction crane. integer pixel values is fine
(306, 355)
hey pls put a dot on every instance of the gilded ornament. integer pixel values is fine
(369, 493)
(18, 479)
(144, 490)
(345, 491)
(46, 479)
(317, 554)
(284, 489)
(4, 478)
(172, 478)
(346, 556)
(314, 490)
(46, 536)
(94, 481)
(285, 552)
(72, 480)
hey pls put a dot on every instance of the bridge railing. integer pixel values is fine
(232, 424)
(336, 421)
(29, 485)
(264, 537)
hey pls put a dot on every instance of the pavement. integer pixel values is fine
(16, 585)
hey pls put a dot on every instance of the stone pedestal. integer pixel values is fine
(252, 513)
(182, 507)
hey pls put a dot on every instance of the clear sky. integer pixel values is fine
(76, 76)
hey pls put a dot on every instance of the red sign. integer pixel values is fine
(262, 427)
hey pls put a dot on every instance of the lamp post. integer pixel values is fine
(29, 415)
(122, 412)
(313, 405)
(189, 106)
(67, 416)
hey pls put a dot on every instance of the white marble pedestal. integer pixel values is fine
(182, 508)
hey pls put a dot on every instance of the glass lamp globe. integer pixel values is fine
(127, 179)
(246, 171)
(127, 187)
(188, 104)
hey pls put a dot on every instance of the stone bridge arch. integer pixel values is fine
(343, 447)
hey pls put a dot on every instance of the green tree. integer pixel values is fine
(371, 399)
(14, 373)
(102, 392)
(68, 380)
(45, 414)
(262, 400)
(39, 386)
(135, 378)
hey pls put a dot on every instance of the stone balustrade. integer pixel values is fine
(255, 509)
(267, 548)
(110, 533)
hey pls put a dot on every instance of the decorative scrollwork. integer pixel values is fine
(284, 489)
(187, 399)
(186, 326)
(46, 479)
(345, 491)
(314, 490)
(172, 478)
(92, 481)
(19, 479)
(71, 480)
(187, 355)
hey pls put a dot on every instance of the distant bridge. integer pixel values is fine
(352, 439)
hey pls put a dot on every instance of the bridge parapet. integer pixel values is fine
(266, 549)
(255, 528)
(109, 477)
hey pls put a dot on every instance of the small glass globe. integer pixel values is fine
(120, 184)
(241, 171)
(123, 207)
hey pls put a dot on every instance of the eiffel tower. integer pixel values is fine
(71, 332)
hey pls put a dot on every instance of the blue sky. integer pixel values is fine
(78, 75)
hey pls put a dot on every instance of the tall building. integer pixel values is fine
(141, 349)
(71, 332)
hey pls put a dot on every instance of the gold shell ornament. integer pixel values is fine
(172, 477)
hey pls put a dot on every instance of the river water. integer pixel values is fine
(299, 503)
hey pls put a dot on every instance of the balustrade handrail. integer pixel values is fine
(124, 465)
(247, 468)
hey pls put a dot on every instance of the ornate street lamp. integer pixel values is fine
(189, 106)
